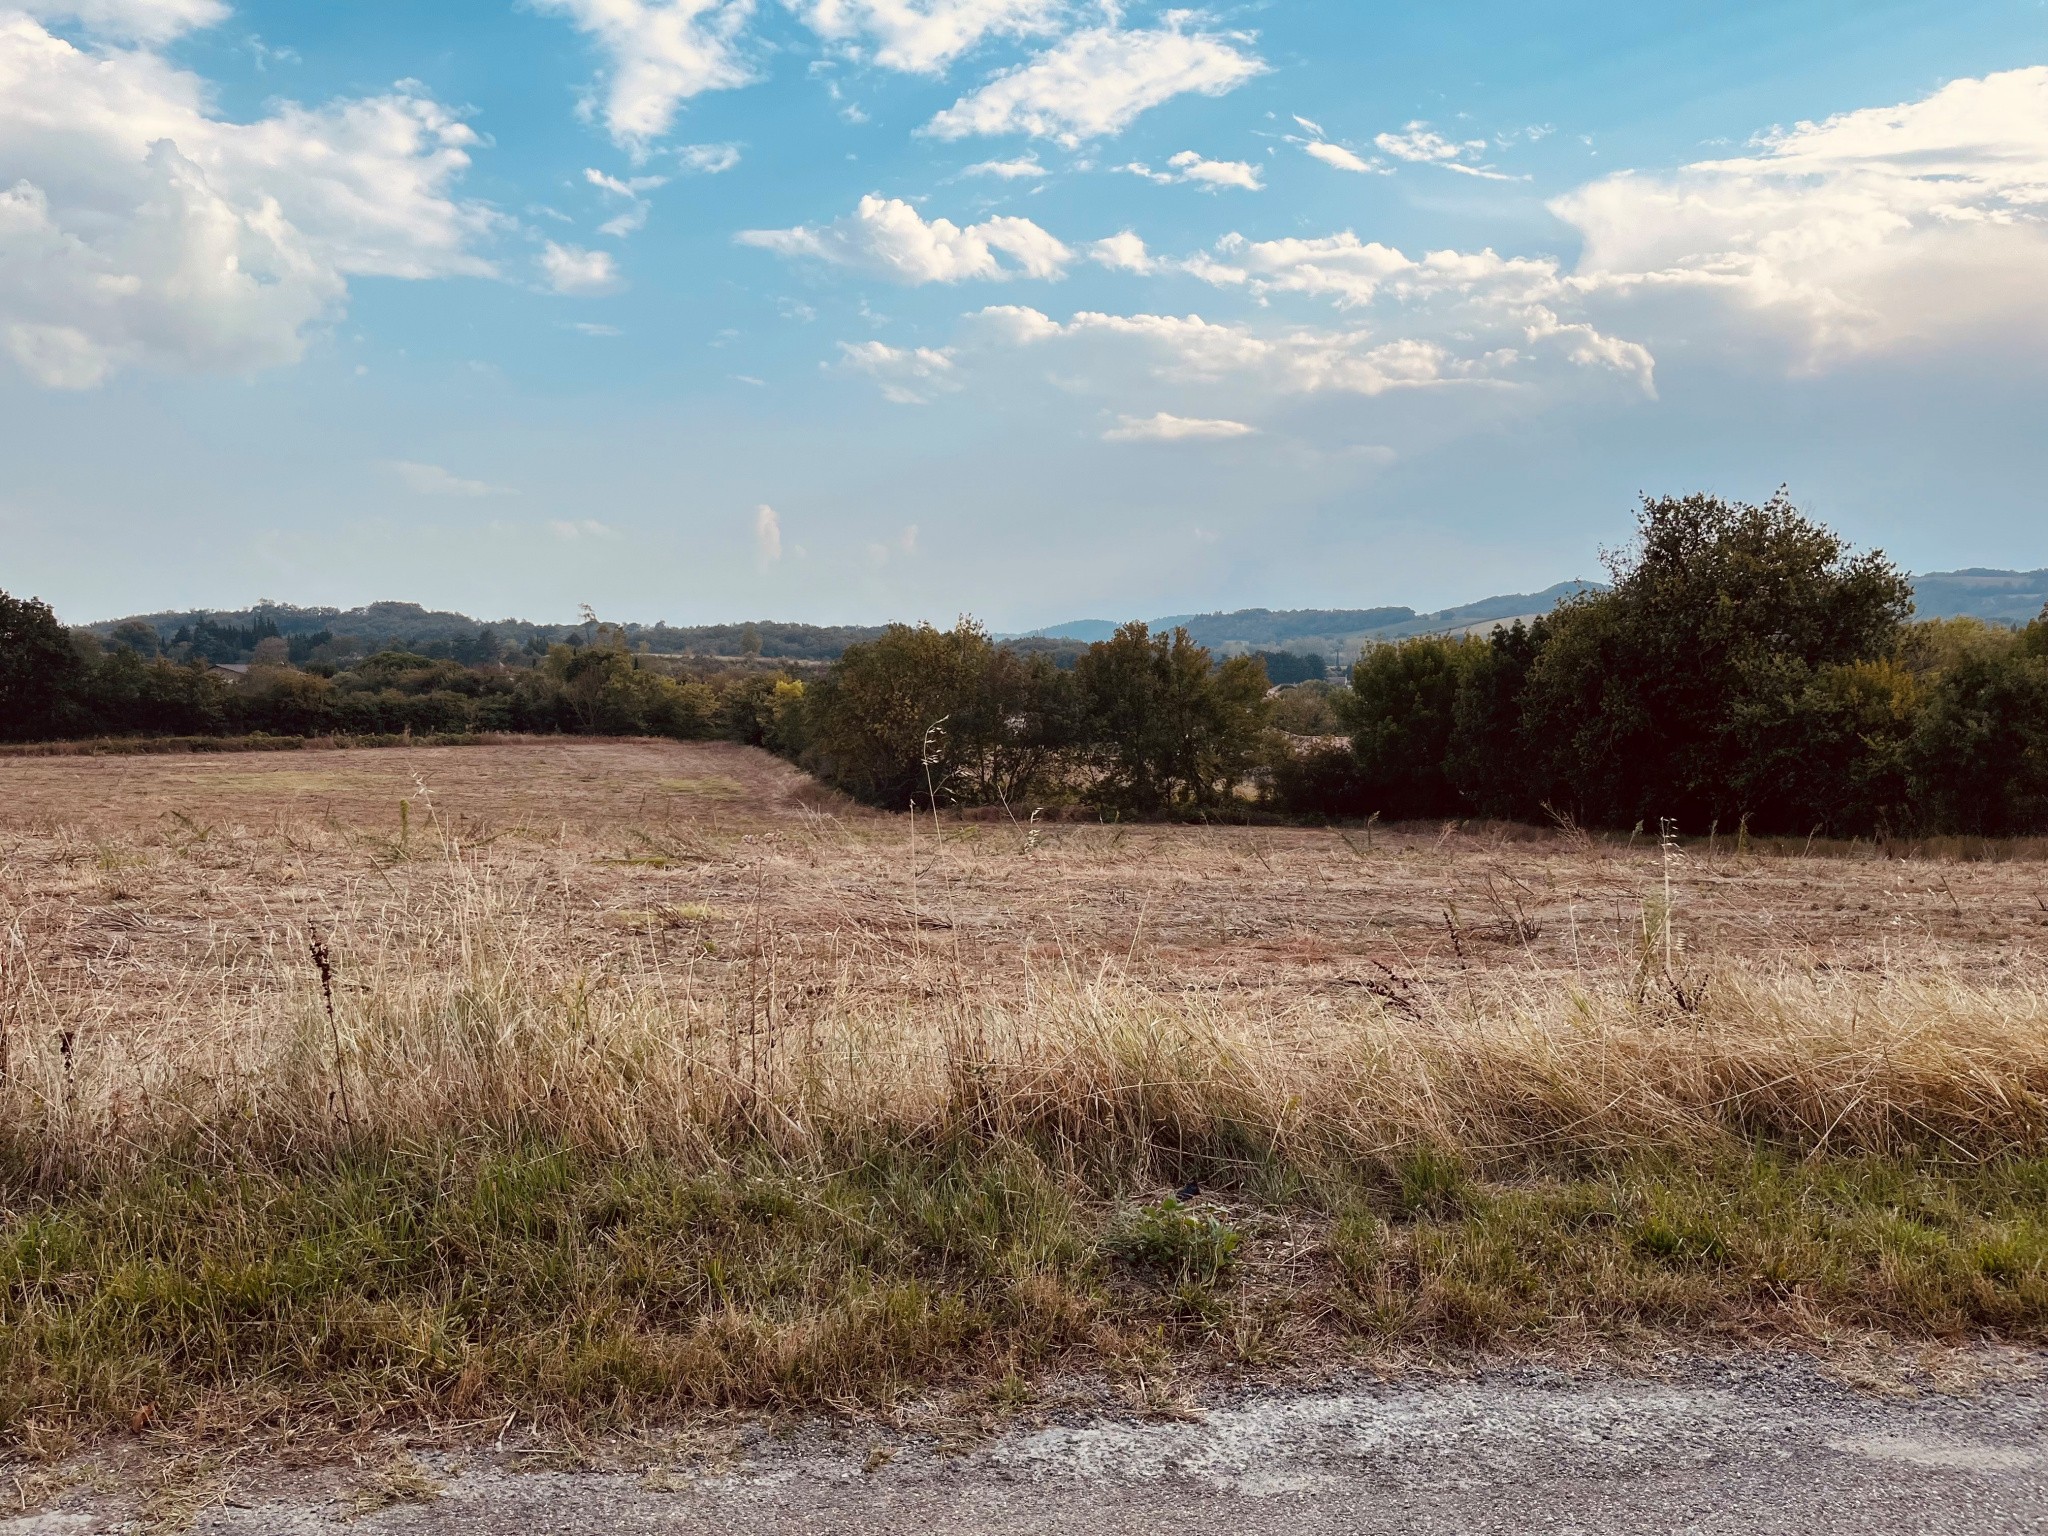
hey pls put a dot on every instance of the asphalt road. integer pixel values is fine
(1754, 1446)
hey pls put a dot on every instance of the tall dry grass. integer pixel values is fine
(460, 1014)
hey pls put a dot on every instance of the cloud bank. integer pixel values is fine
(140, 227)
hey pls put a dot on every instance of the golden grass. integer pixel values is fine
(554, 1089)
(470, 1008)
(642, 979)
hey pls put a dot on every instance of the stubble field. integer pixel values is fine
(607, 1081)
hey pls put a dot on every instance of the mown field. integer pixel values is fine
(599, 1082)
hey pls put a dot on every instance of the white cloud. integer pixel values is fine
(1013, 325)
(629, 187)
(137, 21)
(888, 237)
(1187, 349)
(1419, 143)
(1468, 344)
(573, 270)
(433, 480)
(1188, 166)
(1340, 157)
(1095, 82)
(1355, 272)
(1024, 167)
(1123, 252)
(767, 534)
(634, 218)
(662, 53)
(1891, 226)
(572, 530)
(708, 159)
(924, 36)
(906, 375)
(137, 226)
(1470, 301)
(1165, 428)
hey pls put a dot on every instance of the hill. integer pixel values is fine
(229, 635)
(1331, 632)
(2000, 597)
(1995, 596)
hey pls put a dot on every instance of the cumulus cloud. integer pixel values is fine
(136, 21)
(1096, 81)
(1355, 272)
(924, 36)
(571, 269)
(661, 53)
(1890, 226)
(572, 530)
(1165, 428)
(139, 226)
(1188, 166)
(1422, 145)
(906, 375)
(888, 237)
(1123, 252)
(1499, 305)
(433, 480)
(767, 534)
(1340, 157)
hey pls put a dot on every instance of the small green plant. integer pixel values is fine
(1680, 1240)
(1170, 1239)
(1432, 1182)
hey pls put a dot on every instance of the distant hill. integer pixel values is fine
(1995, 596)
(1088, 631)
(1332, 632)
(2001, 597)
(224, 635)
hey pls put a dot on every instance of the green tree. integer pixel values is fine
(1402, 710)
(890, 723)
(1009, 736)
(1163, 729)
(41, 673)
(1647, 699)
(1979, 755)
(1488, 759)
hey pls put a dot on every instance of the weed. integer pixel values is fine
(1166, 1237)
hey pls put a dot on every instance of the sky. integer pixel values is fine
(859, 310)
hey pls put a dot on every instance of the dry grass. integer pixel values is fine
(720, 1092)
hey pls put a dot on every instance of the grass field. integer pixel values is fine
(601, 1081)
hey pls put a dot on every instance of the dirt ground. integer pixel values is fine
(142, 887)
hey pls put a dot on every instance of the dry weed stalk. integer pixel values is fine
(461, 1023)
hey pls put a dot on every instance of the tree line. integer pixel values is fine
(1744, 667)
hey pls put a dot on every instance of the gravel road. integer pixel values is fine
(1752, 1446)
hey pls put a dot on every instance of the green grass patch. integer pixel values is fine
(458, 1283)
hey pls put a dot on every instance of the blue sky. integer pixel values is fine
(846, 310)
